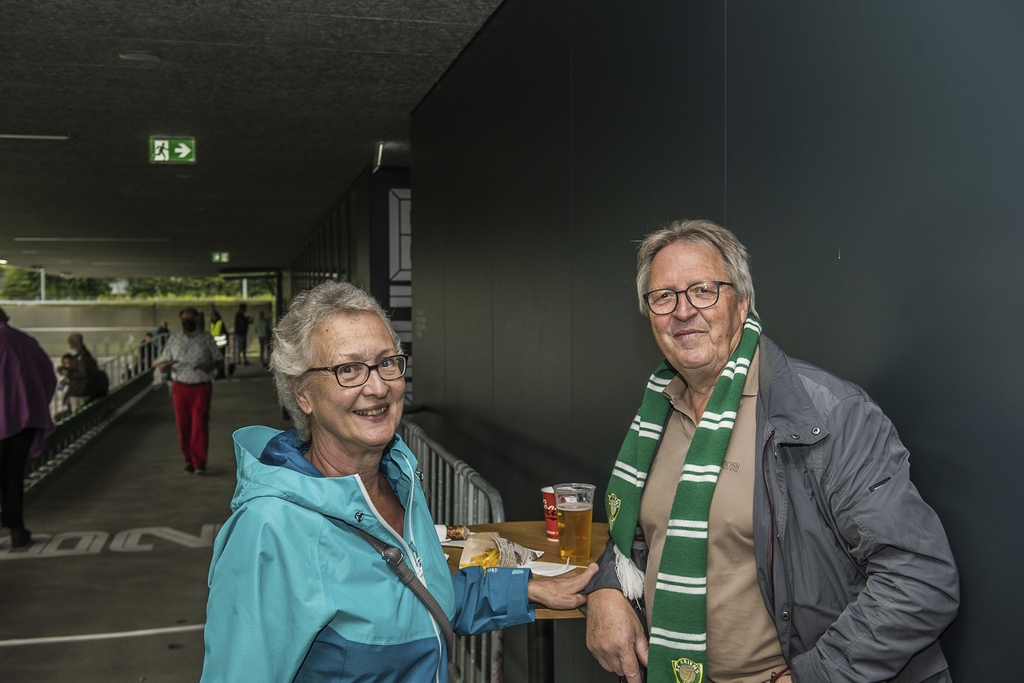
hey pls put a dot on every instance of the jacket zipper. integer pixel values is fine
(771, 515)
(417, 563)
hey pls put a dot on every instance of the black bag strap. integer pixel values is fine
(395, 559)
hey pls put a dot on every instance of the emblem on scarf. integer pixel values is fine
(614, 504)
(687, 671)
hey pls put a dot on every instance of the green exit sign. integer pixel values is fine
(220, 257)
(172, 150)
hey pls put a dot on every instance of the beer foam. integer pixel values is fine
(575, 507)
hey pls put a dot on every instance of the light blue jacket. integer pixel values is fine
(297, 595)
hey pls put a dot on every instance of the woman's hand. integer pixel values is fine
(560, 592)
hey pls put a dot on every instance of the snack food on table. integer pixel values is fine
(456, 533)
(488, 558)
(491, 550)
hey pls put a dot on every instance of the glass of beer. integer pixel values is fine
(574, 504)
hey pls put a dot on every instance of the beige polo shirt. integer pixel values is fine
(743, 645)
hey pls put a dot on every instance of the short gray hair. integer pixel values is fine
(292, 355)
(737, 261)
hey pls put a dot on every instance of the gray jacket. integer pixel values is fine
(860, 580)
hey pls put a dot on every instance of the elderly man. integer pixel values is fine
(193, 359)
(26, 387)
(763, 523)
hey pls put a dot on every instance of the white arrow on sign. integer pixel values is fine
(182, 150)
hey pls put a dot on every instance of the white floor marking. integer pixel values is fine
(101, 636)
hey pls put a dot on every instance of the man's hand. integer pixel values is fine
(560, 592)
(205, 367)
(615, 635)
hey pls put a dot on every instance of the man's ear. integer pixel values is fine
(301, 397)
(745, 306)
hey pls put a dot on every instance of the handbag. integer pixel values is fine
(396, 560)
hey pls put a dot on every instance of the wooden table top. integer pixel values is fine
(533, 535)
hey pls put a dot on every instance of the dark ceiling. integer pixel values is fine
(288, 101)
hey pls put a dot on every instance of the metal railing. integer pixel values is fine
(129, 377)
(102, 341)
(458, 494)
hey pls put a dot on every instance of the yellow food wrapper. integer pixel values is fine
(491, 550)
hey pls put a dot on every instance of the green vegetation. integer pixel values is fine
(21, 284)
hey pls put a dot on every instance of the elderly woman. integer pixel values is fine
(296, 592)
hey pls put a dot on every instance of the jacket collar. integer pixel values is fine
(340, 497)
(784, 400)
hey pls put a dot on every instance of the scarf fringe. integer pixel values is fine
(631, 579)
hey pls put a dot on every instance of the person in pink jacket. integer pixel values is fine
(27, 382)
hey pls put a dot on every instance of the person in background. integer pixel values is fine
(64, 369)
(761, 512)
(162, 333)
(83, 375)
(220, 337)
(147, 351)
(27, 382)
(262, 330)
(192, 358)
(242, 322)
(297, 593)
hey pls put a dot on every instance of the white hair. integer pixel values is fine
(734, 254)
(292, 355)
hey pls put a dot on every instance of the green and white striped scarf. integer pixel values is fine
(679, 622)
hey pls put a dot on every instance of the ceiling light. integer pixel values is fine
(139, 57)
(92, 239)
(142, 263)
(19, 136)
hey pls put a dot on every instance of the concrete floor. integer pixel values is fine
(130, 478)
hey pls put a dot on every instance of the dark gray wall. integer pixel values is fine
(870, 155)
(493, 299)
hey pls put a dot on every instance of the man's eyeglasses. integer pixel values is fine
(700, 295)
(355, 374)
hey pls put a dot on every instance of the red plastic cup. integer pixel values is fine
(550, 514)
